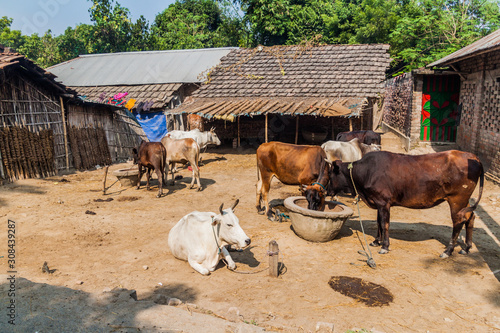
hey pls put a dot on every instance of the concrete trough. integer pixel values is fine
(317, 226)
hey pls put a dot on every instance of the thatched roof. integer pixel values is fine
(329, 80)
(10, 60)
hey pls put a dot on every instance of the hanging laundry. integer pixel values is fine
(130, 104)
(102, 97)
(139, 107)
(120, 95)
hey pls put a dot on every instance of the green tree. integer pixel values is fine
(192, 24)
(432, 29)
(8, 37)
(112, 27)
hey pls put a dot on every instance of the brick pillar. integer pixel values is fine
(477, 113)
(416, 111)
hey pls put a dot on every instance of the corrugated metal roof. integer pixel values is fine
(488, 42)
(135, 68)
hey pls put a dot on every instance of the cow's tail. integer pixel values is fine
(258, 167)
(472, 208)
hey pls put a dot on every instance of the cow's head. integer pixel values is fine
(338, 181)
(365, 149)
(229, 229)
(315, 195)
(214, 139)
(136, 151)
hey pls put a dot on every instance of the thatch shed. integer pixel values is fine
(261, 93)
(32, 133)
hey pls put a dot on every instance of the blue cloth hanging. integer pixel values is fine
(153, 124)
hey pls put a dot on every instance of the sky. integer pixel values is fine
(38, 16)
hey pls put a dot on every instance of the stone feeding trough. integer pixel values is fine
(127, 177)
(317, 226)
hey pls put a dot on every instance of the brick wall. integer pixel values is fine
(479, 130)
(398, 103)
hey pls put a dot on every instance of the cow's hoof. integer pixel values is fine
(375, 244)
(199, 189)
(260, 212)
(383, 251)
(463, 252)
(158, 195)
(444, 255)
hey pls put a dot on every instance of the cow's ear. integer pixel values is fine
(216, 219)
(134, 151)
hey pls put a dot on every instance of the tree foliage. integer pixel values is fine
(192, 24)
(419, 31)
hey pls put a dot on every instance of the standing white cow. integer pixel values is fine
(203, 139)
(201, 237)
(349, 151)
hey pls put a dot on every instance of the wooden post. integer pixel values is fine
(296, 129)
(238, 131)
(266, 127)
(65, 132)
(350, 124)
(104, 180)
(333, 133)
(273, 258)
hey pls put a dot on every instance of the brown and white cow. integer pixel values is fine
(150, 155)
(366, 136)
(182, 151)
(291, 164)
(384, 179)
(349, 151)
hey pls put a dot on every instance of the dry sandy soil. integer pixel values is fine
(96, 261)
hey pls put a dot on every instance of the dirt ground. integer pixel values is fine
(97, 260)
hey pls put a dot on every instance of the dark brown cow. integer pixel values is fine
(384, 179)
(291, 164)
(150, 155)
(367, 137)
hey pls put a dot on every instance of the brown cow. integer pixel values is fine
(182, 151)
(150, 155)
(291, 164)
(384, 179)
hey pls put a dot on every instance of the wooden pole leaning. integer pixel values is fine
(64, 132)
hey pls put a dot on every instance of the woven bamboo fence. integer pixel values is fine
(26, 152)
(121, 132)
(89, 147)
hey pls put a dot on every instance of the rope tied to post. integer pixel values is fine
(370, 261)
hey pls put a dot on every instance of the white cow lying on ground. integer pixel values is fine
(349, 151)
(201, 237)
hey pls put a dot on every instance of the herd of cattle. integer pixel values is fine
(353, 164)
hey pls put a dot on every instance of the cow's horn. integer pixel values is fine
(235, 203)
(328, 161)
(212, 129)
(220, 208)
